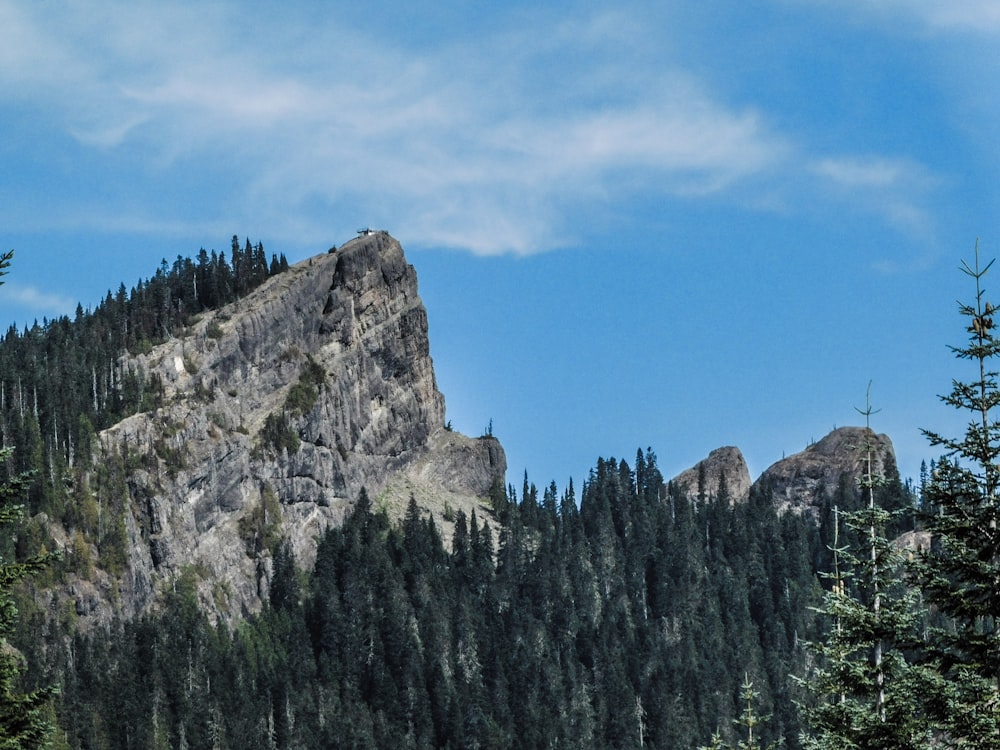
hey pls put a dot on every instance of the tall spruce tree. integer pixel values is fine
(865, 690)
(748, 722)
(960, 574)
(23, 719)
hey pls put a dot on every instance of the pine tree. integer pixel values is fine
(748, 720)
(23, 718)
(867, 691)
(960, 574)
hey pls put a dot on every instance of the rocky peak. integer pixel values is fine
(276, 411)
(706, 475)
(800, 480)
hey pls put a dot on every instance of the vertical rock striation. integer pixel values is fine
(276, 411)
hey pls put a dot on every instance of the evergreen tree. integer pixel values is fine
(867, 690)
(748, 721)
(23, 718)
(960, 574)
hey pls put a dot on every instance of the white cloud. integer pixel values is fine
(37, 300)
(895, 189)
(978, 16)
(875, 172)
(971, 15)
(478, 144)
(853, 172)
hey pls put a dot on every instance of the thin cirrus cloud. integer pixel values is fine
(975, 16)
(972, 15)
(895, 188)
(854, 172)
(37, 300)
(980, 16)
(485, 147)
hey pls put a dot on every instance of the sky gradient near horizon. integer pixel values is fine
(678, 227)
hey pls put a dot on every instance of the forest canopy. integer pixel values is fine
(641, 613)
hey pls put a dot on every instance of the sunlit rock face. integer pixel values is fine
(276, 411)
(800, 481)
(722, 466)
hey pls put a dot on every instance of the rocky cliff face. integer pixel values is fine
(799, 481)
(706, 476)
(277, 410)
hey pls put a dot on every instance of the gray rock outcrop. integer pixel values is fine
(276, 411)
(799, 481)
(706, 476)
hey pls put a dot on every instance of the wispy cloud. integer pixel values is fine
(972, 15)
(483, 145)
(855, 172)
(37, 300)
(896, 189)
(978, 16)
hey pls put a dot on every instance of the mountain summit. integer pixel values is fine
(723, 465)
(799, 482)
(277, 410)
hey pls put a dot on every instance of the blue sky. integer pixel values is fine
(680, 227)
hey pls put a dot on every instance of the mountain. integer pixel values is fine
(800, 482)
(276, 411)
(275, 541)
(273, 412)
(706, 476)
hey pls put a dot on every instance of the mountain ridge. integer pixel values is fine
(276, 410)
(799, 482)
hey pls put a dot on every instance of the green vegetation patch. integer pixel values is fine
(304, 394)
(277, 434)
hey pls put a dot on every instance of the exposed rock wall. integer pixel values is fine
(333, 355)
(799, 481)
(704, 476)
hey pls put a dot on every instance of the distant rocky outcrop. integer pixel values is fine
(799, 481)
(276, 411)
(723, 464)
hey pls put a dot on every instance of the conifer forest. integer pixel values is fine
(623, 612)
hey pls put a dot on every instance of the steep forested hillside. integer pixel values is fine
(637, 614)
(627, 619)
(61, 380)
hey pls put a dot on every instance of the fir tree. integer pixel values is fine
(23, 718)
(867, 691)
(748, 722)
(960, 574)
